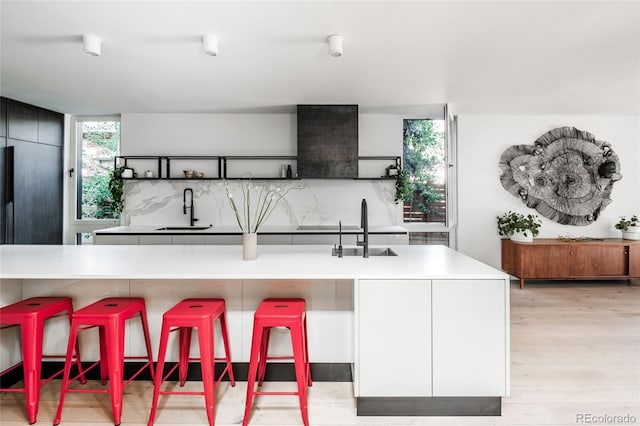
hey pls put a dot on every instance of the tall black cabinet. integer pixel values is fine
(31, 163)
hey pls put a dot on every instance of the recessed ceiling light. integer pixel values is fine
(91, 44)
(210, 44)
(335, 45)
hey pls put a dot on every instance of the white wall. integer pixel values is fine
(481, 141)
(323, 201)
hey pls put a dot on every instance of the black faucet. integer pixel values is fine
(192, 219)
(338, 251)
(364, 224)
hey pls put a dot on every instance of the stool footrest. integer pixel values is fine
(181, 393)
(280, 357)
(276, 393)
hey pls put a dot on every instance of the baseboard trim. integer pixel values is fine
(276, 371)
(429, 406)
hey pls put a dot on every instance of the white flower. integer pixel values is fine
(267, 202)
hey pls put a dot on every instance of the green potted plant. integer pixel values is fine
(630, 227)
(403, 187)
(519, 227)
(116, 187)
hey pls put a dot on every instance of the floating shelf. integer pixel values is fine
(163, 164)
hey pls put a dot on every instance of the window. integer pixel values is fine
(100, 143)
(95, 143)
(424, 161)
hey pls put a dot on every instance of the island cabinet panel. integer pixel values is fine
(394, 334)
(557, 259)
(469, 337)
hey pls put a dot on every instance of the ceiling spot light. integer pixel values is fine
(210, 44)
(335, 45)
(91, 44)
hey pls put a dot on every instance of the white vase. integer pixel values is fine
(249, 246)
(633, 233)
(521, 237)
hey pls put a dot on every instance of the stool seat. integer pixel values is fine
(183, 317)
(30, 315)
(279, 312)
(109, 315)
(109, 309)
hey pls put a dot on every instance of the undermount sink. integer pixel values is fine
(373, 251)
(182, 228)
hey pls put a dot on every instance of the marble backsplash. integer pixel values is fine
(319, 202)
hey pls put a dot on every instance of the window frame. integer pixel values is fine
(450, 137)
(78, 226)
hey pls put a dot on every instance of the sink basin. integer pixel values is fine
(182, 228)
(373, 251)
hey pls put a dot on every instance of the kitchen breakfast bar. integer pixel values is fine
(425, 332)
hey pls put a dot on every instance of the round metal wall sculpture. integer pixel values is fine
(566, 175)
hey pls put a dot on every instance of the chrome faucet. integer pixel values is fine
(364, 224)
(337, 251)
(192, 219)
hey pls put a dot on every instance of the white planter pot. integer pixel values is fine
(632, 234)
(521, 237)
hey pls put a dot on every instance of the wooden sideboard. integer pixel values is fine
(551, 258)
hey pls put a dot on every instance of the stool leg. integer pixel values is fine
(104, 356)
(73, 336)
(147, 340)
(157, 382)
(253, 368)
(227, 350)
(183, 360)
(264, 351)
(115, 360)
(207, 362)
(297, 341)
(306, 352)
(83, 379)
(32, 363)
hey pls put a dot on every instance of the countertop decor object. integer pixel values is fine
(518, 227)
(250, 217)
(249, 246)
(630, 227)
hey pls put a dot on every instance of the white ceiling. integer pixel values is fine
(487, 57)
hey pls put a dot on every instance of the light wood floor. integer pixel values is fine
(575, 349)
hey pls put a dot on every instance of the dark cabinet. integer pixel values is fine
(31, 169)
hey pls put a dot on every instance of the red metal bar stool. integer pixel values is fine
(109, 315)
(183, 317)
(289, 313)
(30, 315)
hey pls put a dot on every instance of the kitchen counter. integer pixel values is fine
(234, 230)
(422, 333)
(206, 262)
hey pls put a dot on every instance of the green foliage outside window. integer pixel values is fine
(100, 143)
(424, 149)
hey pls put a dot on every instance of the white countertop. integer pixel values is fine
(225, 262)
(234, 230)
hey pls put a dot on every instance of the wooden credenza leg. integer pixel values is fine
(521, 282)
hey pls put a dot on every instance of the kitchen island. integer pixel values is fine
(425, 332)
